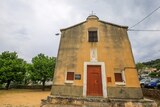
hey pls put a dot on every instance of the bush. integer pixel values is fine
(20, 86)
(2, 86)
(153, 74)
(158, 85)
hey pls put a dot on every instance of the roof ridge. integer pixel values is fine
(113, 24)
(72, 26)
(98, 20)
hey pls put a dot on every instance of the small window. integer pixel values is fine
(92, 36)
(70, 76)
(118, 77)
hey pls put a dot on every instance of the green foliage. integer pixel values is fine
(29, 69)
(149, 64)
(16, 70)
(42, 68)
(158, 85)
(153, 74)
(158, 74)
(12, 68)
(140, 66)
(1, 85)
(153, 64)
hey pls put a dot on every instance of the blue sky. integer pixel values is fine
(29, 26)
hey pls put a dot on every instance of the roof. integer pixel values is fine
(95, 17)
(72, 26)
(122, 26)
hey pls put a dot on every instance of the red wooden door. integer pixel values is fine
(94, 80)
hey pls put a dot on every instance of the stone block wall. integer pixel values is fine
(153, 93)
(125, 92)
(66, 101)
(67, 90)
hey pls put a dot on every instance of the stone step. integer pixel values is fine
(62, 101)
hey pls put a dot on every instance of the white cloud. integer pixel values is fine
(29, 26)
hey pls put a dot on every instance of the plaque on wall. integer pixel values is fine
(109, 79)
(77, 76)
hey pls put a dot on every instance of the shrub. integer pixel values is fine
(158, 85)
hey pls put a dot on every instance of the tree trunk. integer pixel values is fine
(8, 83)
(43, 85)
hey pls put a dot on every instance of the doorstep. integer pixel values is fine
(68, 101)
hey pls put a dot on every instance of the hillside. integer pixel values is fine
(153, 64)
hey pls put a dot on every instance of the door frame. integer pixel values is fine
(103, 73)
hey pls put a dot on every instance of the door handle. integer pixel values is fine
(95, 81)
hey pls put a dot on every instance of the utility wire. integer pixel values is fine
(144, 30)
(145, 17)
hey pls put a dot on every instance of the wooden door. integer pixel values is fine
(94, 80)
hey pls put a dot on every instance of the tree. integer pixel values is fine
(43, 68)
(153, 64)
(140, 67)
(29, 69)
(12, 68)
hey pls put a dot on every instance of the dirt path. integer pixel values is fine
(22, 97)
(26, 98)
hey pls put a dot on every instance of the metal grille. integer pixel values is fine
(93, 36)
(118, 77)
(70, 75)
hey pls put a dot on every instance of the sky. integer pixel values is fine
(29, 26)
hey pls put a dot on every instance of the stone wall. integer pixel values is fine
(125, 92)
(48, 87)
(66, 101)
(153, 93)
(67, 90)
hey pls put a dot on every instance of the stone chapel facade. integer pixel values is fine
(95, 59)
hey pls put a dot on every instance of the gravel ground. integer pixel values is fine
(156, 100)
(28, 98)
(22, 97)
